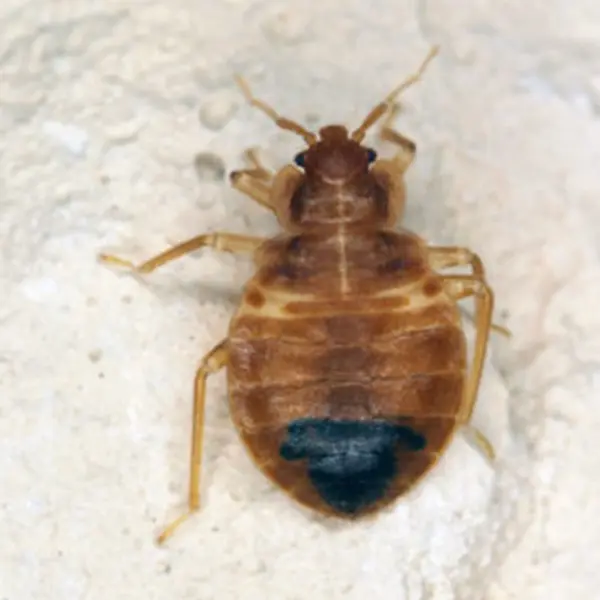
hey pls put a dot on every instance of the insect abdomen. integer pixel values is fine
(390, 355)
(275, 381)
(277, 378)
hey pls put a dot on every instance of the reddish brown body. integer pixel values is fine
(345, 320)
(346, 360)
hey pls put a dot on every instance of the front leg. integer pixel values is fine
(405, 156)
(254, 182)
(226, 242)
(258, 170)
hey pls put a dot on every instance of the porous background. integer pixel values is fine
(104, 109)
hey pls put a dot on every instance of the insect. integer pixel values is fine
(346, 360)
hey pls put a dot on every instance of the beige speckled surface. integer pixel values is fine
(103, 107)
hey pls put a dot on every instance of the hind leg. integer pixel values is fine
(213, 362)
(464, 286)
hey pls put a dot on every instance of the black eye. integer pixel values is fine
(299, 159)
(371, 155)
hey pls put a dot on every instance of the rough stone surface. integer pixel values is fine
(99, 124)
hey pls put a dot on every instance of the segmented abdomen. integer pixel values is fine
(393, 352)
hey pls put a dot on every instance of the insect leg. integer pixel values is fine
(403, 159)
(227, 242)
(247, 183)
(254, 182)
(259, 171)
(443, 257)
(464, 286)
(215, 360)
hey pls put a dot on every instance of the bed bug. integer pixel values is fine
(346, 359)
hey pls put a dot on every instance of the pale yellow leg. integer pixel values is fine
(254, 182)
(443, 257)
(460, 286)
(247, 183)
(215, 360)
(463, 286)
(405, 156)
(258, 171)
(226, 242)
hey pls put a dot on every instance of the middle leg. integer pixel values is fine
(227, 242)
(444, 257)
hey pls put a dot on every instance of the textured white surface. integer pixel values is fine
(103, 106)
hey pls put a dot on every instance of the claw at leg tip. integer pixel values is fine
(505, 331)
(115, 260)
(485, 445)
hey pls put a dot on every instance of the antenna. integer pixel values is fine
(287, 124)
(382, 108)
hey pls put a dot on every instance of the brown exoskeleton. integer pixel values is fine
(346, 359)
